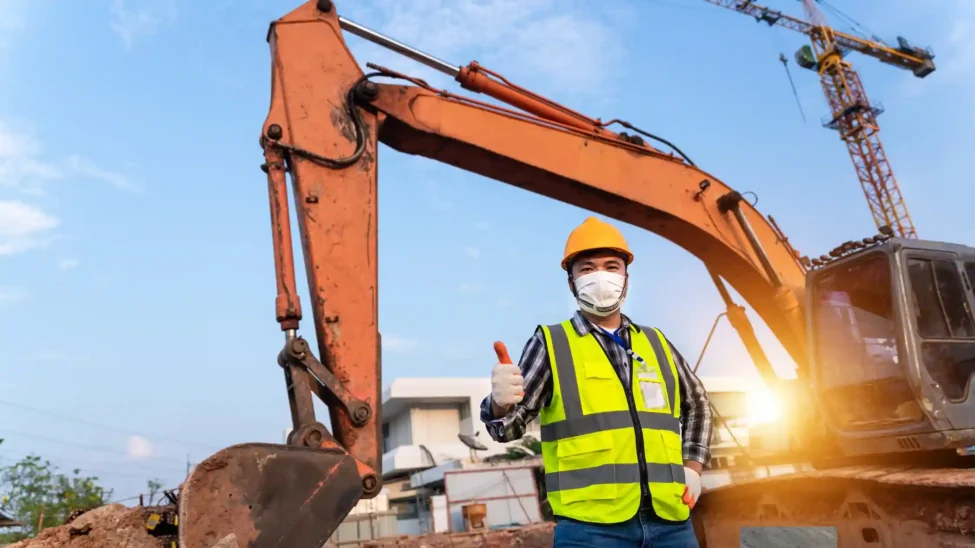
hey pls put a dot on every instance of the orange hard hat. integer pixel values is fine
(595, 234)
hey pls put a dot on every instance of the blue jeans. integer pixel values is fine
(643, 530)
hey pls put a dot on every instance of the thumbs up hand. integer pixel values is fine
(507, 384)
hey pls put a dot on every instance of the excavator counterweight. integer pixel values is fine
(881, 329)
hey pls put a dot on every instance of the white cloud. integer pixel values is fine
(569, 45)
(143, 20)
(24, 227)
(12, 294)
(955, 59)
(20, 166)
(82, 166)
(24, 169)
(68, 264)
(472, 252)
(398, 343)
(468, 287)
(139, 448)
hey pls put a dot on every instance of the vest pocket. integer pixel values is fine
(603, 491)
(586, 465)
(599, 370)
(585, 446)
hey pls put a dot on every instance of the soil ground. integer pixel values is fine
(530, 536)
(113, 525)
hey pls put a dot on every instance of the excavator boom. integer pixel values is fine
(325, 120)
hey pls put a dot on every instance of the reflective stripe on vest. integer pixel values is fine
(588, 433)
(613, 473)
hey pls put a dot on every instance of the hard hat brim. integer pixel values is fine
(627, 255)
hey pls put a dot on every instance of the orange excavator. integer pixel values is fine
(881, 328)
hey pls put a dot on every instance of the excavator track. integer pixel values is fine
(889, 506)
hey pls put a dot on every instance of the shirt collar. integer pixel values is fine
(583, 326)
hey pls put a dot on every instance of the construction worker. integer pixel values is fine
(625, 423)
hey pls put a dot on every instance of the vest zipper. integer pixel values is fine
(638, 430)
(640, 453)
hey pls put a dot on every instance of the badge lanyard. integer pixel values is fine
(629, 352)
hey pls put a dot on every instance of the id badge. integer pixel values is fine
(653, 395)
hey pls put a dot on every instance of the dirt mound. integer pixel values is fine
(529, 536)
(112, 526)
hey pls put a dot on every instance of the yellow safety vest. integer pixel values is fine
(592, 472)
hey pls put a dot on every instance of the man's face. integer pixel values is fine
(596, 261)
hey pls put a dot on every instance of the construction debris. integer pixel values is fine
(111, 525)
(530, 536)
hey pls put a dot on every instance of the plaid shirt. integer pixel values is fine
(695, 410)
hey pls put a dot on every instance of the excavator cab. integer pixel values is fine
(892, 344)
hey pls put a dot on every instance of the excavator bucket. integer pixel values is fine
(261, 495)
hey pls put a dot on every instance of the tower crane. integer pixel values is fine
(851, 115)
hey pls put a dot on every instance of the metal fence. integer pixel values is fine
(359, 528)
(509, 492)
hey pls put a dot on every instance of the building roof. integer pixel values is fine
(6, 520)
(403, 392)
(435, 387)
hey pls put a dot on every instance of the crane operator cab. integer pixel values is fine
(892, 346)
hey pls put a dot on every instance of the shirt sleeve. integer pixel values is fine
(695, 411)
(534, 365)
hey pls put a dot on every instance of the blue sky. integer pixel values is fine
(136, 277)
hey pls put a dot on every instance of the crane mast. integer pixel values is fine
(852, 114)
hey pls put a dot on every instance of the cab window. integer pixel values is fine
(943, 316)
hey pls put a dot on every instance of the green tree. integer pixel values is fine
(33, 486)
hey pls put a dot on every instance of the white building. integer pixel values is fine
(423, 417)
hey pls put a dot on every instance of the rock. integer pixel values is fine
(229, 541)
(113, 525)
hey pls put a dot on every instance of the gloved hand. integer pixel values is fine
(692, 487)
(507, 385)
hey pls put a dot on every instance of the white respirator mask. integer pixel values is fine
(600, 292)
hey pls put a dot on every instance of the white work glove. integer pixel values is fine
(692, 487)
(507, 385)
